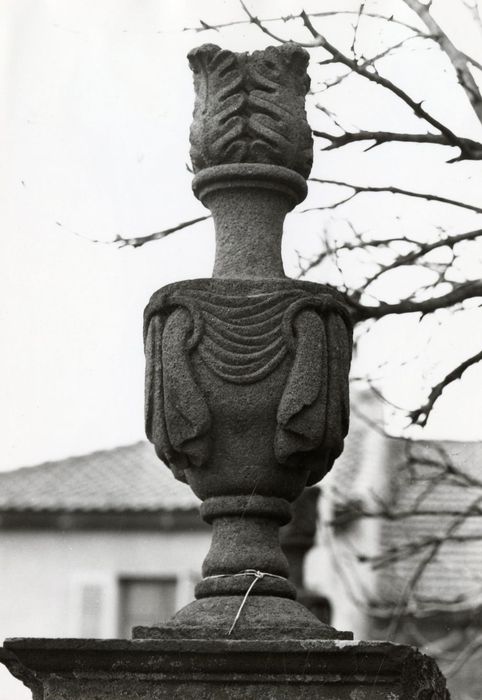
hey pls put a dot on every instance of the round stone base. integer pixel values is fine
(225, 617)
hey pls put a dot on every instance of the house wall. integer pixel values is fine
(43, 574)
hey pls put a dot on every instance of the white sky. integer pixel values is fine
(94, 136)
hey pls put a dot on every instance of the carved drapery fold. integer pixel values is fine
(177, 416)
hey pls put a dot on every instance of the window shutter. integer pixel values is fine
(145, 601)
(93, 605)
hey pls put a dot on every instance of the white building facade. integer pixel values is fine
(91, 546)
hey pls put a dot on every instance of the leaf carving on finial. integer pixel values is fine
(250, 108)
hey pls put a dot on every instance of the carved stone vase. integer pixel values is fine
(247, 372)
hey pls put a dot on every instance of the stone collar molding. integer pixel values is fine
(288, 183)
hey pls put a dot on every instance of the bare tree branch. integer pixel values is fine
(260, 23)
(141, 240)
(443, 465)
(366, 62)
(206, 26)
(475, 12)
(392, 190)
(460, 293)
(421, 415)
(361, 9)
(472, 150)
(468, 651)
(425, 28)
(424, 249)
(349, 246)
(353, 511)
(409, 549)
(370, 15)
(458, 58)
(340, 57)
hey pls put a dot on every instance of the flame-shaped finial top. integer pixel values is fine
(250, 108)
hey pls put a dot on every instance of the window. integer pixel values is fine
(145, 601)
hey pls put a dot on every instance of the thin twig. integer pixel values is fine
(141, 240)
(423, 249)
(393, 190)
(206, 26)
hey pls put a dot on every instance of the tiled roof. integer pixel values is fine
(451, 580)
(453, 577)
(127, 478)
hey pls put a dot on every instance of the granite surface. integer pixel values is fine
(74, 669)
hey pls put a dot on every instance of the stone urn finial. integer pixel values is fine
(247, 372)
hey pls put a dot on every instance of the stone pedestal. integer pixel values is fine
(79, 669)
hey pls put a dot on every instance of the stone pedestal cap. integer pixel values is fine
(202, 669)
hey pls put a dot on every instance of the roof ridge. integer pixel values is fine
(128, 477)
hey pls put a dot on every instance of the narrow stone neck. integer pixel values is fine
(249, 203)
(245, 538)
(249, 229)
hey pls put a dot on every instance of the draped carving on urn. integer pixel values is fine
(247, 372)
(242, 339)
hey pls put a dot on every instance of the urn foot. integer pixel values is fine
(225, 617)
